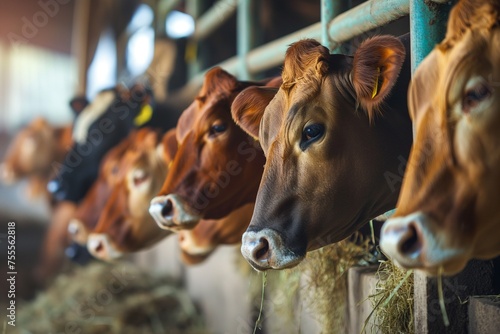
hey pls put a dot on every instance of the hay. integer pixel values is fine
(281, 296)
(319, 282)
(326, 280)
(393, 301)
(104, 298)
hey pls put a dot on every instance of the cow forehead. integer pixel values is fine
(290, 103)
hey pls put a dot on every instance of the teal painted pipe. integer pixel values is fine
(213, 18)
(345, 26)
(428, 28)
(364, 17)
(329, 9)
(244, 40)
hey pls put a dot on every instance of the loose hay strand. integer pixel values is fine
(258, 322)
(393, 302)
(326, 271)
(441, 297)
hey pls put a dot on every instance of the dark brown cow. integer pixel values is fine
(89, 210)
(217, 167)
(33, 153)
(197, 244)
(125, 224)
(448, 210)
(335, 130)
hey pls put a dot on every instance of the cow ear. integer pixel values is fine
(377, 63)
(249, 106)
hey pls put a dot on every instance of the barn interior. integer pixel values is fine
(54, 53)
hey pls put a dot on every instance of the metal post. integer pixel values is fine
(244, 39)
(427, 26)
(329, 9)
(193, 8)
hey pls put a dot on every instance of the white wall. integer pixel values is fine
(35, 82)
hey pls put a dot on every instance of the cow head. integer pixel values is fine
(217, 166)
(33, 151)
(125, 224)
(330, 135)
(448, 209)
(198, 243)
(104, 123)
(89, 210)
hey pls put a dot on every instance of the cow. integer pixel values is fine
(198, 243)
(104, 123)
(217, 167)
(448, 211)
(32, 153)
(124, 224)
(89, 210)
(334, 136)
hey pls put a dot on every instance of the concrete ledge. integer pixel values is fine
(360, 284)
(484, 316)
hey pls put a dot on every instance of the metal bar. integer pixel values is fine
(213, 18)
(329, 9)
(193, 8)
(244, 40)
(80, 43)
(366, 16)
(427, 26)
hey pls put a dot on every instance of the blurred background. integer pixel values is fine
(52, 51)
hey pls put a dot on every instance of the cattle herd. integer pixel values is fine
(290, 164)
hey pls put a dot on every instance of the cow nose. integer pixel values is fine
(96, 247)
(6, 174)
(167, 210)
(256, 249)
(171, 212)
(402, 239)
(78, 231)
(261, 251)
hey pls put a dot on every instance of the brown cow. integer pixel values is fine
(448, 210)
(335, 130)
(217, 167)
(197, 244)
(33, 152)
(90, 209)
(125, 224)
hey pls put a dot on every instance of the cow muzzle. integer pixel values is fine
(100, 246)
(78, 231)
(7, 175)
(265, 250)
(411, 243)
(171, 212)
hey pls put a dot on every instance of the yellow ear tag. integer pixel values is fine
(144, 115)
(375, 87)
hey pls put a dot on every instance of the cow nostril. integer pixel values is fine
(411, 243)
(167, 209)
(261, 251)
(99, 247)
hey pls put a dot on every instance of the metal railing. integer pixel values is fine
(427, 26)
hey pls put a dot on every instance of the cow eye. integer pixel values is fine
(217, 128)
(310, 134)
(472, 97)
